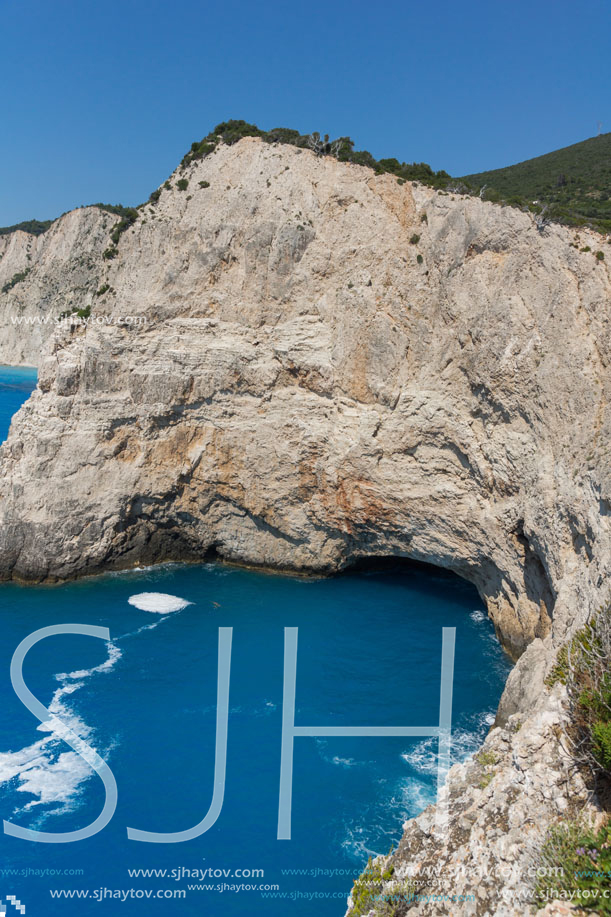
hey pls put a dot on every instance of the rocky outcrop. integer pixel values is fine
(500, 802)
(299, 363)
(42, 277)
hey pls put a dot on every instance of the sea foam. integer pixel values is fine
(43, 769)
(158, 602)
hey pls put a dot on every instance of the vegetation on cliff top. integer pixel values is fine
(571, 185)
(580, 853)
(33, 227)
(584, 667)
(367, 891)
(342, 148)
(574, 183)
(38, 227)
(575, 865)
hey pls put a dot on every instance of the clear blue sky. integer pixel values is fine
(101, 98)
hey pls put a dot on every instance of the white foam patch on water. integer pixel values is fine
(477, 615)
(410, 796)
(356, 844)
(44, 769)
(416, 797)
(114, 654)
(337, 760)
(158, 602)
(464, 742)
(141, 629)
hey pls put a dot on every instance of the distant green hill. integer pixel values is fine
(575, 183)
(34, 227)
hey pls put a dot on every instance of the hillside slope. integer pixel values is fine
(575, 182)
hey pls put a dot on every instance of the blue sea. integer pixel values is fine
(369, 654)
(16, 384)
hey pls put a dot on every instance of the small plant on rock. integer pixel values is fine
(575, 864)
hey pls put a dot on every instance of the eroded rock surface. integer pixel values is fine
(43, 277)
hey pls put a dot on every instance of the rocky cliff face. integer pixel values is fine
(298, 363)
(43, 276)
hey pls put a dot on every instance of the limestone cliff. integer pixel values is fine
(298, 363)
(43, 276)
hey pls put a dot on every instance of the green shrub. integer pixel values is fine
(283, 135)
(368, 887)
(414, 239)
(110, 253)
(342, 148)
(167, 186)
(574, 183)
(155, 195)
(130, 216)
(15, 279)
(601, 742)
(419, 259)
(584, 666)
(490, 194)
(119, 209)
(577, 860)
(586, 248)
(81, 313)
(424, 218)
(486, 760)
(182, 184)
(103, 289)
(204, 184)
(33, 227)
(600, 256)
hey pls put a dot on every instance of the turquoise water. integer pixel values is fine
(16, 383)
(369, 654)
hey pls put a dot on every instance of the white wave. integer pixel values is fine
(338, 760)
(114, 654)
(356, 844)
(477, 615)
(141, 629)
(42, 769)
(54, 781)
(464, 742)
(423, 758)
(158, 602)
(416, 796)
